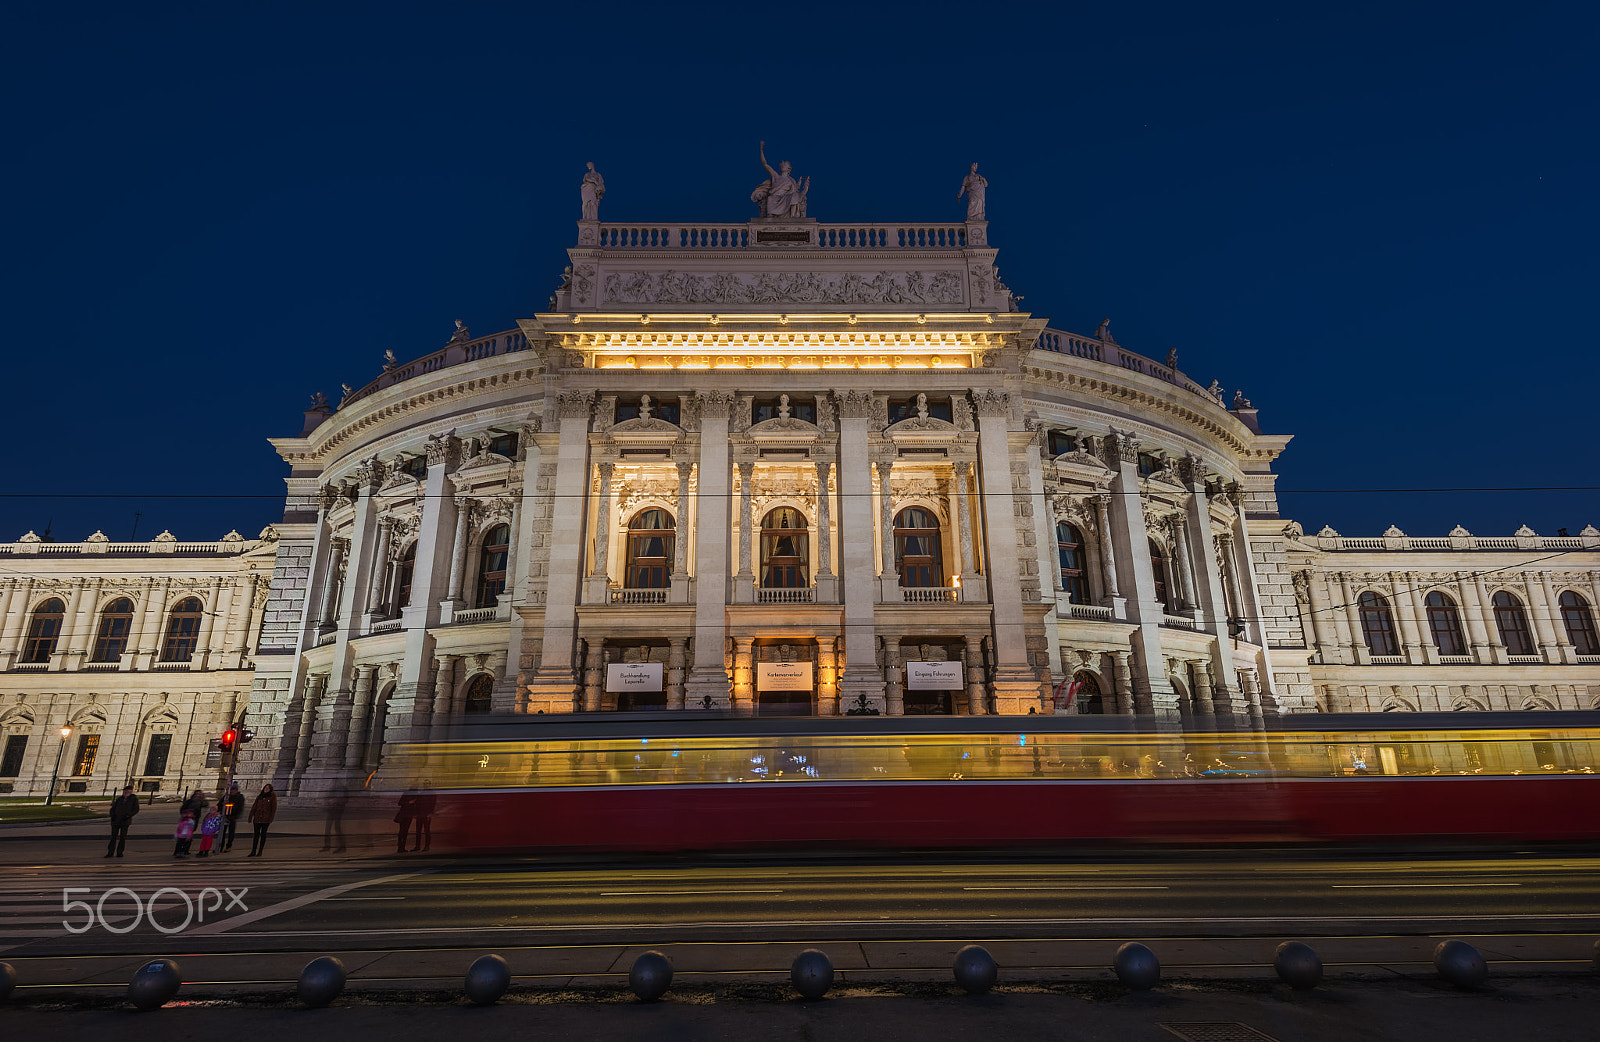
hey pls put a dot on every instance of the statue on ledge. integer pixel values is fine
(780, 195)
(592, 188)
(461, 334)
(976, 189)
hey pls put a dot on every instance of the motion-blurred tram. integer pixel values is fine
(644, 782)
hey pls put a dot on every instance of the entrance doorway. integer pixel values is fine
(785, 679)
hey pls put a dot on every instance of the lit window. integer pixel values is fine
(183, 631)
(1579, 620)
(1512, 622)
(43, 631)
(1377, 624)
(916, 548)
(112, 638)
(652, 540)
(1445, 624)
(785, 545)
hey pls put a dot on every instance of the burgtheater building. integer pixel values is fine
(784, 467)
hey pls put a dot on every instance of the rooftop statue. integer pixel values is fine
(780, 195)
(975, 188)
(461, 334)
(592, 188)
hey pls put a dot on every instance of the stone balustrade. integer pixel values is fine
(1062, 343)
(738, 236)
(1525, 539)
(508, 342)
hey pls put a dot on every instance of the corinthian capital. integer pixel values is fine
(853, 405)
(442, 449)
(715, 404)
(573, 405)
(991, 402)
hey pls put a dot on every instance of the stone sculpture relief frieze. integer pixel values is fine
(789, 287)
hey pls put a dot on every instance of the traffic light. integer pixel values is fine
(230, 738)
(245, 735)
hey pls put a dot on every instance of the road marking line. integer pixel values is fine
(674, 893)
(1411, 886)
(1037, 889)
(245, 918)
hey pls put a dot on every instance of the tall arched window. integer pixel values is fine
(916, 548)
(1445, 624)
(785, 544)
(183, 630)
(1069, 549)
(43, 631)
(492, 565)
(112, 638)
(1158, 567)
(404, 569)
(479, 688)
(1579, 620)
(1377, 624)
(1512, 622)
(1089, 699)
(652, 541)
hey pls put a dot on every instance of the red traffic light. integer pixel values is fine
(229, 737)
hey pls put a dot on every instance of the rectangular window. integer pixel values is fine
(181, 637)
(772, 409)
(155, 761)
(504, 445)
(905, 408)
(1062, 442)
(11, 762)
(660, 409)
(83, 763)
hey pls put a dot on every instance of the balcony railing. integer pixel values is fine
(1085, 611)
(386, 626)
(639, 596)
(1179, 622)
(476, 615)
(787, 595)
(930, 594)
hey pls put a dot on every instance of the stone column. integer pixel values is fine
(1547, 627)
(1337, 616)
(1497, 648)
(71, 628)
(361, 711)
(18, 600)
(458, 552)
(675, 670)
(1306, 592)
(963, 483)
(1203, 704)
(975, 680)
(327, 619)
(886, 568)
(1108, 559)
(1252, 692)
(894, 685)
(1123, 680)
(824, 523)
(594, 676)
(1181, 554)
(310, 700)
(444, 683)
(1473, 619)
(1405, 616)
(708, 678)
(603, 523)
(857, 562)
(208, 624)
(380, 567)
(680, 541)
(827, 678)
(744, 693)
(744, 579)
(553, 687)
(1152, 692)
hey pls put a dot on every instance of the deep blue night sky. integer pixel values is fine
(1379, 220)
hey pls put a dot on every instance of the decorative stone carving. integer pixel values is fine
(1458, 532)
(590, 191)
(1120, 447)
(1193, 470)
(461, 334)
(961, 412)
(442, 449)
(781, 194)
(1393, 532)
(1327, 532)
(922, 423)
(990, 402)
(824, 413)
(795, 287)
(1523, 532)
(572, 360)
(739, 419)
(605, 412)
(574, 405)
(715, 404)
(1292, 530)
(854, 405)
(880, 413)
(976, 189)
(269, 534)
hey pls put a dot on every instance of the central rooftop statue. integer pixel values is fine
(780, 195)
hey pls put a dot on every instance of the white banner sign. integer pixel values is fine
(783, 676)
(933, 676)
(633, 676)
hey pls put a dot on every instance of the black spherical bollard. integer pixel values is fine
(8, 980)
(650, 976)
(1298, 965)
(1137, 966)
(487, 979)
(154, 984)
(1460, 963)
(321, 981)
(812, 974)
(975, 969)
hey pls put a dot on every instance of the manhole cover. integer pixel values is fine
(1213, 1032)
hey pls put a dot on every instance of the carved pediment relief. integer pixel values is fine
(654, 427)
(787, 427)
(922, 425)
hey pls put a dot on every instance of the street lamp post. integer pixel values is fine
(56, 771)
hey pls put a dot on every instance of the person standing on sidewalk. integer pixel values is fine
(333, 827)
(404, 817)
(426, 802)
(262, 811)
(210, 828)
(232, 807)
(123, 808)
(183, 835)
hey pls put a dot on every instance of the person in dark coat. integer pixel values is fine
(232, 808)
(405, 816)
(262, 811)
(123, 808)
(426, 802)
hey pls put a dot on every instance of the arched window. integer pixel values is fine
(492, 565)
(652, 541)
(1512, 622)
(916, 548)
(1089, 698)
(479, 688)
(1377, 624)
(785, 544)
(404, 569)
(1445, 624)
(1158, 567)
(1069, 548)
(183, 630)
(112, 638)
(43, 631)
(1579, 620)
